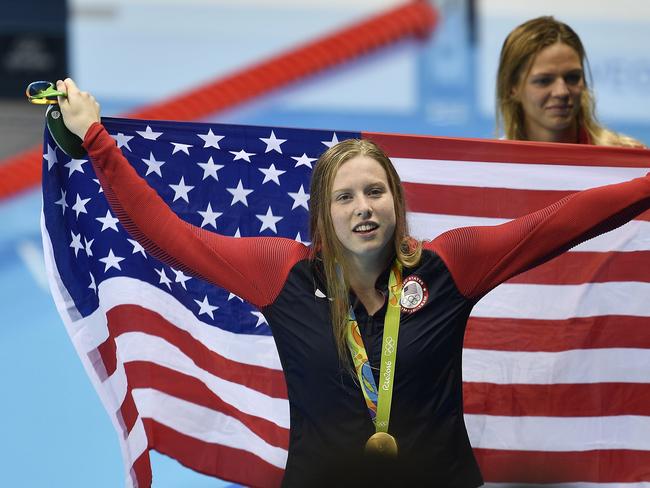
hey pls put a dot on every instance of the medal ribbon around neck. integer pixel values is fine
(378, 400)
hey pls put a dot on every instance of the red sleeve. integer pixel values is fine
(253, 268)
(480, 258)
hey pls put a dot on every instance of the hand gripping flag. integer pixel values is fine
(556, 361)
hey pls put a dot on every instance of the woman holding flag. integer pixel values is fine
(368, 321)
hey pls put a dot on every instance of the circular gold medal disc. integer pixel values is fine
(383, 444)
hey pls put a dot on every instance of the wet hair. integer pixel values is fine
(326, 245)
(519, 50)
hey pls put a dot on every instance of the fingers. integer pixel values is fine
(79, 108)
(70, 87)
(74, 95)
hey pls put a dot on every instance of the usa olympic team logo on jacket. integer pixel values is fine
(414, 294)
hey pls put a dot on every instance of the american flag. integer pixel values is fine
(556, 361)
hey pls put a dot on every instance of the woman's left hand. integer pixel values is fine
(80, 109)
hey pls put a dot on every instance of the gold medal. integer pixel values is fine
(382, 444)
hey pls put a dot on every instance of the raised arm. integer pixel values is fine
(480, 258)
(253, 268)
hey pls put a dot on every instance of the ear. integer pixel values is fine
(514, 93)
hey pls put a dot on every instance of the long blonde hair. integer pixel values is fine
(325, 243)
(517, 55)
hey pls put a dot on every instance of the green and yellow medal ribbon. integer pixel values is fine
(378, 399)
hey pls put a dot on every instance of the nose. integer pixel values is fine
(364, 209)
(560, 88)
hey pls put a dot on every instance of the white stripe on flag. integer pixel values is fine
(558, 302)
(205, 424)
(612, 365)
(511, 175)
(633, 236)
(135, 445)
(137, 346)
(577, 433)
(258, 350)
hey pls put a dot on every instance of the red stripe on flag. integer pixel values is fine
(600, 466)
(132, 318)
(141, 470)
(535, 335)
(486, 150)
(128, 410)
(569, 400)
(502, 203)
(212, 459)
(141, 374)
(575, 268)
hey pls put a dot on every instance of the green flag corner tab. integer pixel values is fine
(66, 140)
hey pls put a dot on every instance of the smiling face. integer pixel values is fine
(363, 211)
(550, 94)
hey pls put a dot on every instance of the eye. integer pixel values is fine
(343, 197)
(573, 78)
(542, 81)
(376, 191)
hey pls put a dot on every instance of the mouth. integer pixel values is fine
(365, 227)
(560, 108)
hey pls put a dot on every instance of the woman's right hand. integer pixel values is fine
(79, 109)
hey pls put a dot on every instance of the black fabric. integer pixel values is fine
(329, 420)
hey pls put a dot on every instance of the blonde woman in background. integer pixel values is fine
(542, 94)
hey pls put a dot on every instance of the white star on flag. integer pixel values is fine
(272, 143)
(153, 166)
(137, 247)
(149, 134)
(303, 160)
(164, 280)
(335, 140)
(87, 245)
(269, 220)
(206, 307)
(209, 217)
(75, 165)
(111, 261)
(76, 243)
(61, 201)
(181, 277)
(50, 157)
(93, 285)
(232, 295)
(299, 239)
(211, 140)
(260, 318)
(181, 190)
(210, 169)
(271, 174)
(239, 194)
(80, 205)
(101, 190)
(179, 147)
(108, 222)
(246, 156)
(300, 199)
(122, 140)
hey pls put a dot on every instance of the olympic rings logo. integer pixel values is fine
(389, 344)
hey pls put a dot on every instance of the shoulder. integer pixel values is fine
(610, 138)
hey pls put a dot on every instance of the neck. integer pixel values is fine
(365, 291)
(540, 134)
(363, 272)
